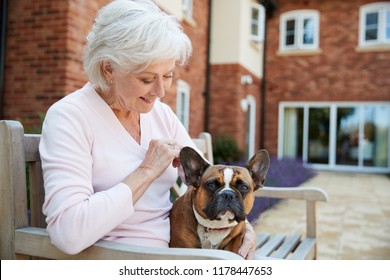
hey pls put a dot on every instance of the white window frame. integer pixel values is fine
(187, 8)
(259, 22)
(299, 16)
(382, 8)
(249, 103)
(333, 106)
(183, 103)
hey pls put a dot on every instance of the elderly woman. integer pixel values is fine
(110, 149)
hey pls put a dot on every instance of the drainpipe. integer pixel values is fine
(208, 73)
(2, 54)
(270, 7)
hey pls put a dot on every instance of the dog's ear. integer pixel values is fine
(258, 167)
(193, 165)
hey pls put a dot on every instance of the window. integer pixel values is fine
(183, 103)
(187, 8)
(257, 22)
(299, 30)
(351, 136)
(374, 24)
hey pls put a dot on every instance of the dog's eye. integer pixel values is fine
(211, 185)
(243, 188)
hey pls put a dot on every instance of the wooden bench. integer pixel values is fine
(23, 234)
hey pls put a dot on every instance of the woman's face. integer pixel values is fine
(138, 91)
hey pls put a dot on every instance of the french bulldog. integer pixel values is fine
(212, 213)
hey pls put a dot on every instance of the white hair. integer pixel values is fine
(132, 34)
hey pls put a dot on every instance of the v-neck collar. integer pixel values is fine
(115, 126)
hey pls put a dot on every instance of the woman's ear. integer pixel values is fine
(107, 70)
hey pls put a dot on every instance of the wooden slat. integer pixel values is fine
(36, 242)
(31, 143)
(200, 144)
(311, 219)
(37, 195)
(305, 250)
(261, 238)
(289, 244)
(272, 244)
(205, 145)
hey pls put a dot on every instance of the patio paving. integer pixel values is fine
(353, 225)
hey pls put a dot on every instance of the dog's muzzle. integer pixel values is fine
(223, 202)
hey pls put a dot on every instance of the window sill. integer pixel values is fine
(373, 48)
(298, 52)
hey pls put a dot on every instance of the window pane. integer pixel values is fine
(319, 123)
(255, 22)
(372, 19)
(293, 132)
(187, 8)
(290, 32)
(371, 26)
(347, 136)
(255, 14)
(182, 112)
(308, 31)
(254, 29)
(376, 136)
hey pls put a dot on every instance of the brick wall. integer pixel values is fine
(226, 115)
(43, 54)
(35, 48)
(80, 16)
(338, 73)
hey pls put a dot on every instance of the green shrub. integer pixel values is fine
(225, 149)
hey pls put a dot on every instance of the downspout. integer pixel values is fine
(208, 73)
(270, 7)
(2, 54)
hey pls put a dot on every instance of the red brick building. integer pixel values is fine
(328, 83)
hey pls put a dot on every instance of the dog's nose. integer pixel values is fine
(229, 195)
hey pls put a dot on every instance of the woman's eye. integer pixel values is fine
(147, 81)
(168, 77)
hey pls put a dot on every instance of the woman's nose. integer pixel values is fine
(158, 88)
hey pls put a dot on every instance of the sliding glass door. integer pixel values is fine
(318, 149)
(375, 142)
(342, 136)
(347, 133)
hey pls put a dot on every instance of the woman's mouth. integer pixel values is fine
(147, 100)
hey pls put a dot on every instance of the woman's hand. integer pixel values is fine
(160, 155)
(248, 246)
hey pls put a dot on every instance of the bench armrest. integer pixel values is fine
(36, 242)
(301, 193)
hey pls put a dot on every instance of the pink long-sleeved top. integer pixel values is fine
(86, 153)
